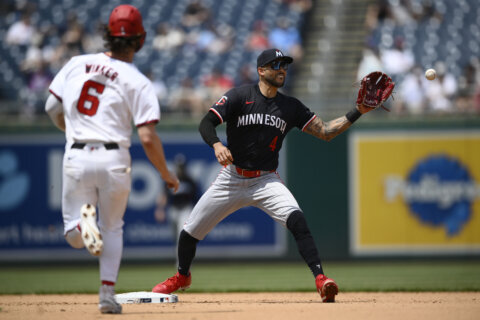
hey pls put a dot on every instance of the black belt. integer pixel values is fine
(108, 146)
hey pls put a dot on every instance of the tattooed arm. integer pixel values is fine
(327, 130)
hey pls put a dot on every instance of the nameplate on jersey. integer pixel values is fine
(264, 119)
(104, 70)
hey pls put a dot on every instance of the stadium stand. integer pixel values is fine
(440, 34)
(212, 35)
(217, 42)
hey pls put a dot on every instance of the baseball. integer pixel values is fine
(430, 74)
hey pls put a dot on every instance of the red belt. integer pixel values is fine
(250, 173)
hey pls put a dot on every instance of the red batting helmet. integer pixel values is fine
(126, 21)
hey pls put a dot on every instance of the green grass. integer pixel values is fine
(250, 277)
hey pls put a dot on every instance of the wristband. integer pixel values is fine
(353, 115)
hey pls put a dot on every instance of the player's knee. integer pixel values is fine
(111, 224)
(186, 238)
(297, 225)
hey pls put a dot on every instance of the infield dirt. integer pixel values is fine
(253, 306)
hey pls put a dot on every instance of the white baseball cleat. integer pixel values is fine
(107, 303)
(90, 234)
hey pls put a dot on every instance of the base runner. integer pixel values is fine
(94, 99)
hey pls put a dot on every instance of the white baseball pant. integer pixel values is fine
(102, 178)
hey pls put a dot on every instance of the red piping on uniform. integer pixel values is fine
(148, 122)
(218, 114)
(306, 124)
(56, 95)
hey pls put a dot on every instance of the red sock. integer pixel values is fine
(108, 283)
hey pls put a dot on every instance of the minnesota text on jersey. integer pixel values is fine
(265, 119)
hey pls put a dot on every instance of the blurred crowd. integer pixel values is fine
(47, 46)
(39, 48)
(456, 89)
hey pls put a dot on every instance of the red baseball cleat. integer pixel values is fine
(178, 281)
(326, 287)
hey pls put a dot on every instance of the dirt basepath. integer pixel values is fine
(253, 306)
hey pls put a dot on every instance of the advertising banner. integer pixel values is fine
(414, 192)
(31, 193)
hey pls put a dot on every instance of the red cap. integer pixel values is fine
(126, 21)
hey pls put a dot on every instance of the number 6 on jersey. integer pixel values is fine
(86, 96)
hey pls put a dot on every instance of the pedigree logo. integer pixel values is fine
(439, 191)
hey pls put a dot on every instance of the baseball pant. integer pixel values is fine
(102, 178)
(231, 191)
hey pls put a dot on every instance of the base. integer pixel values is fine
(145, 297)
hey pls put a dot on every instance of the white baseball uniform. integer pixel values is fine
(101, 96)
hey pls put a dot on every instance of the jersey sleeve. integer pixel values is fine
(304, 115)
(58, 83)
(145, 107)
(224, 107)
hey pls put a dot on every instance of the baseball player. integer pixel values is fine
(176, 207)
(94, 99)
(258, 118)
(179, 204)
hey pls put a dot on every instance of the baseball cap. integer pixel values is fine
(270, 55)
(125, 21)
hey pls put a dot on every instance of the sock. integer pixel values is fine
(187, 246)
(108, 283)
(74, 238)
(297, 225)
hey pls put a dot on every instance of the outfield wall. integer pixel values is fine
(30, 205)
(378, 190)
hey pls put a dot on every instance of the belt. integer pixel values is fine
(251, 173)
(108, 146)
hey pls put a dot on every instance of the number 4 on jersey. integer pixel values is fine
(273, 144)
(86, 96)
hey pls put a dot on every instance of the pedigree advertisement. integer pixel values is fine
(414, 192)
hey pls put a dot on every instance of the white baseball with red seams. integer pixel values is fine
(430, 74)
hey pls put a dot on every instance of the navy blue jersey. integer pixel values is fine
(256, 125)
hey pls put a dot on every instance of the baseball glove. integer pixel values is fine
(375, 88)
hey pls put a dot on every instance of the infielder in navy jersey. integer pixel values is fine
(256, 125)
(258, 118)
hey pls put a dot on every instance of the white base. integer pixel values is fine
(145, 297)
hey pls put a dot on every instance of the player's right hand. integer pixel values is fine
(172, 181)
(223, 154)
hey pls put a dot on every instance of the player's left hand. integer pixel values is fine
(172, 181)
(375, 89)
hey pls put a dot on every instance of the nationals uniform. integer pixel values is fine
(256, 128)
(101, 96)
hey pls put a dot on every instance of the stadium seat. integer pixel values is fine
(240, 14)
